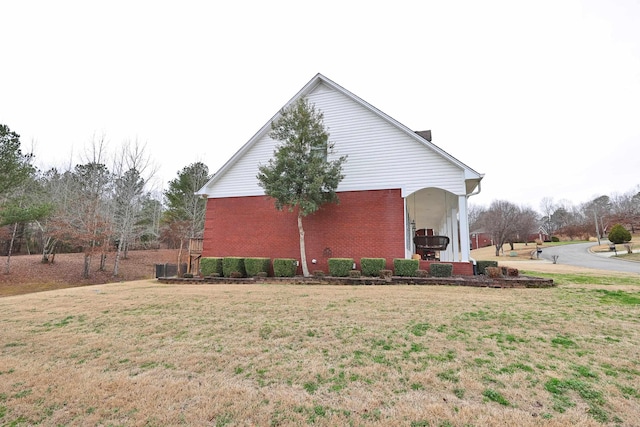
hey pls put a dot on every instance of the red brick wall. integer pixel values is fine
(363, 224)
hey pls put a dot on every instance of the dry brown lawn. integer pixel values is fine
(146, 354)
(142, 353)
(28, 274)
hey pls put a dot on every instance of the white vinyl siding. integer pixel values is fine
(381, 155)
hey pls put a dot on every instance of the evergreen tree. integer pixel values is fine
(184, 217)
(182, 202)
(15, 167)
(17, 183)
(300, 175)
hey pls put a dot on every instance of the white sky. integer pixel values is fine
(542, 97)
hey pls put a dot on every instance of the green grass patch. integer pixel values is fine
(628, 391)
(584, 279)
(584, 371)
(310, 387)
(619, 297)
(513, 367)
(448, 375)
(563, 341)
(560, 388)
(419, 329)
(495, 396)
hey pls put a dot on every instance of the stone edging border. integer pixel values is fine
(473, 281)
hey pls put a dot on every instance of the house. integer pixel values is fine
(397, 184)
(480, 239)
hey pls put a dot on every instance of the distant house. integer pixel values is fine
(397, 184)
(480, 239)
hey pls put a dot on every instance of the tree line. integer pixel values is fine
(507, 222)
(105, 204)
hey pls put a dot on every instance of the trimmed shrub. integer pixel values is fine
(371, 266)
(512, 272)
(210, 266)
(493, 272)
(188, 275)
(284, 267)
(405, 267)
(262, 274)
(422, 273)
(318, 273)
(233, 264)
(441, 270)
(354, 274)
(253, 266)
(484, 264)
(340, 267)
(619, 234)
(236, 275)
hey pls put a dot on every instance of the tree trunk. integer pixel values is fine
(7, 269)
(103, 261)
(87, 265)
(498, 247)
(180, 258)
(116, 263)
(48, 249)
(303, 251)
(45, 255)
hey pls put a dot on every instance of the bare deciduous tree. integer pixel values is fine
(526, 223)
(499, 220)
(128, 196)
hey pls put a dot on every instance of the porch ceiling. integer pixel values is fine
(429, 207)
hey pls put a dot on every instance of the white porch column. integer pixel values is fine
(465, 243)
(408, 238)
(453, 217)
(447, 230)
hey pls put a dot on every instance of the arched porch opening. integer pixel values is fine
(436, 212)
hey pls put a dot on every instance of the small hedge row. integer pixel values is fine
(338, 267)
(255, 266)
(441, 270)
(406, 267)
(210, 266)
(234, 266)
(371, 266)
(284, 267)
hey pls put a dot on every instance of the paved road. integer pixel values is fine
(580, 256)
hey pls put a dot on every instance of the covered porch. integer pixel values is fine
(436, 228)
